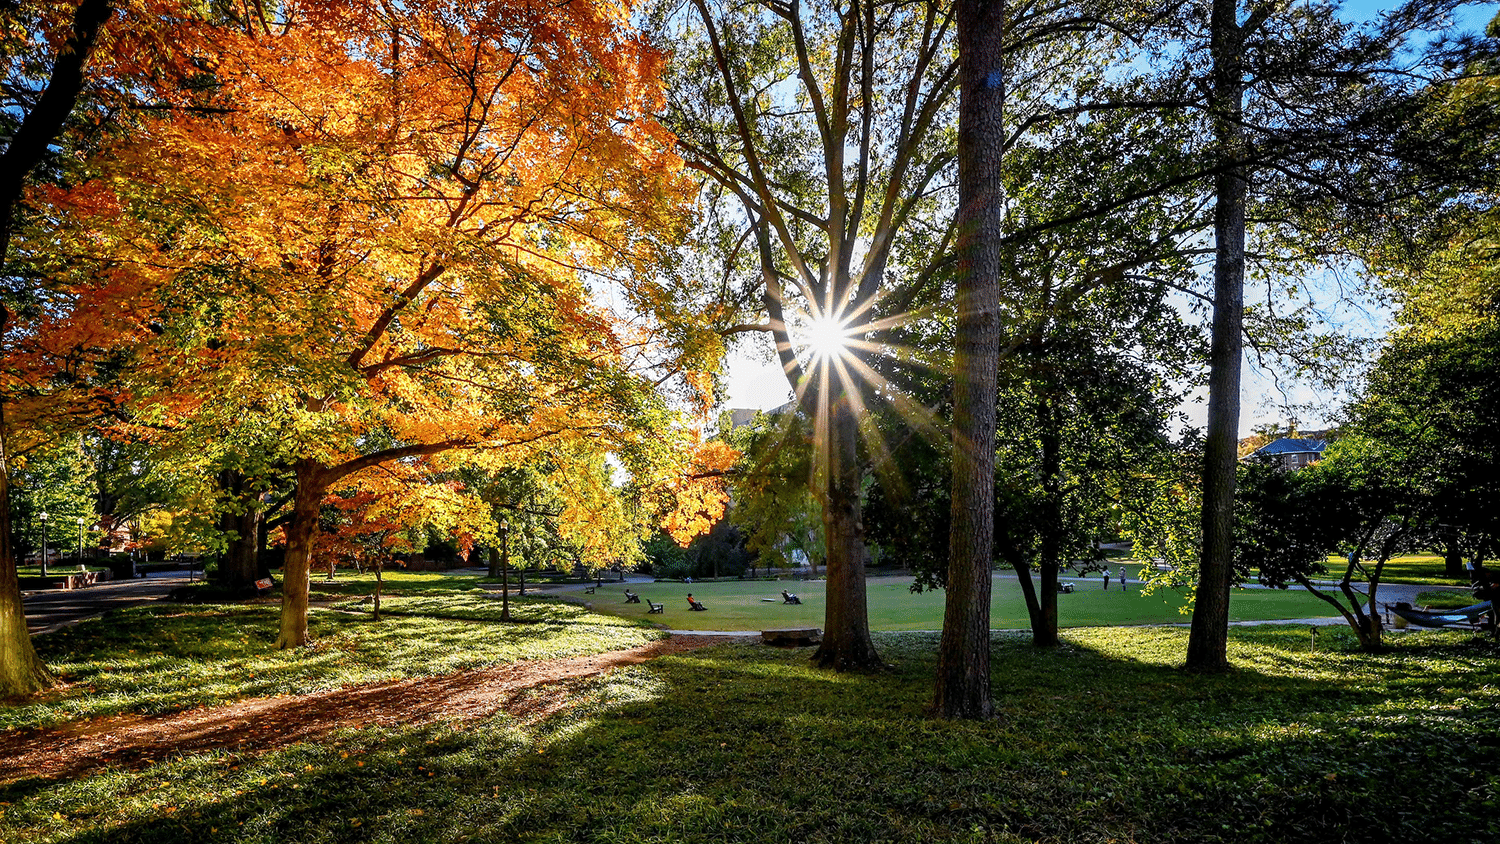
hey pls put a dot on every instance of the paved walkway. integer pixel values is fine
(50, 609)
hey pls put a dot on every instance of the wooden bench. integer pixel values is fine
(792, 637)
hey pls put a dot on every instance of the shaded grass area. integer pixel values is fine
(397, 582)
(162, 658)
(1100, 740)
(432, 583)
(892, 605)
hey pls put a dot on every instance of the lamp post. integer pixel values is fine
(504, 570)
(80, 542)
(43, 517)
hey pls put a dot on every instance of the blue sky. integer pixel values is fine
(756, 381)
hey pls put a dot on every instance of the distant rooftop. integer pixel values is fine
(745, 415)
(1290, 445)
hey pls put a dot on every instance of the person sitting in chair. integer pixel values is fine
(789, 598)
(631, 597)
(694, 605)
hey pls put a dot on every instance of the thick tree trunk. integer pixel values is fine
(1208, 639)
(963, 670)
(846, 619)
(300, 532)
(240, 564)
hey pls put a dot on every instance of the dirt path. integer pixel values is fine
(261, 724)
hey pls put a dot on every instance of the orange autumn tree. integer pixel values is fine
(378, 233)
(69, 68)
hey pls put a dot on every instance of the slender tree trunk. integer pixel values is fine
(1028, 592)
(300, 532)
(963, 670)
(1050, 528)
(846, 618)
(1208, 639)
(379, 585)
(1453, 561)
(22, 672)
(504, 569)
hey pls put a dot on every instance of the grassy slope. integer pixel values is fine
(1101, 740)
(165, 657)
(740, 605)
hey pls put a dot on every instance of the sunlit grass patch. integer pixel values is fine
(162, 658)
(756, 605)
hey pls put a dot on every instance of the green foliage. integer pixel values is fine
(53, 480)
(1431, 403)
(773, 501)
(1101, 739)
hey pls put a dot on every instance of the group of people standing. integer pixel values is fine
(1122, 578)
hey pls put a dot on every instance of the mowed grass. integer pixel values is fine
(395, 581)
(1421, 569)
(1101, 740)
(166, 657)
(756, 605)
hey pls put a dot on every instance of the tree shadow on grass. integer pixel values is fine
(1101, 739)
(162, 659)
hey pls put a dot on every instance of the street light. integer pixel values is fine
(43, 516)
(505, 570)
(80, 542)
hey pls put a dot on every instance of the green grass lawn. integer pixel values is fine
(166, 657)
(1421, 569)
(1101, 740)
(892, 605)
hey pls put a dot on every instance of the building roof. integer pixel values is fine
(1289, 445)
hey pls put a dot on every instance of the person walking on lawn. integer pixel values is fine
(1122, 577)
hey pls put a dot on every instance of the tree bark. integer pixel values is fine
(300, 532)
(846, 620)
(1208, 639)
(240, 564)
(963, 670)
